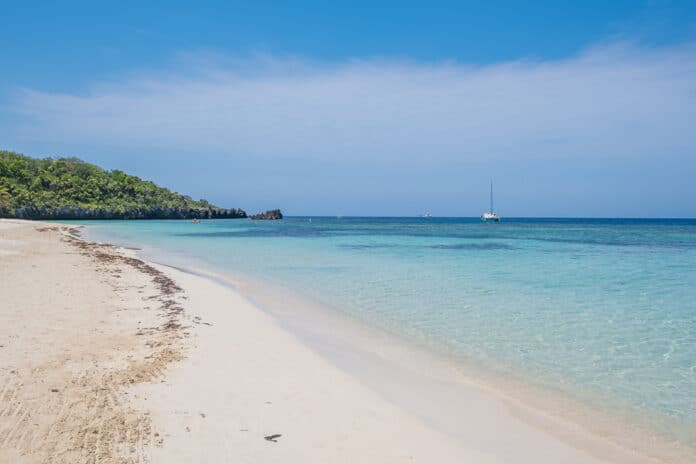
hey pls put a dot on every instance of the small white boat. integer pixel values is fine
(490, 216)
(427, 216)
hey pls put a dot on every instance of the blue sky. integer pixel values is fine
(376, 108)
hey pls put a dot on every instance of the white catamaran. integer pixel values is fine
(490, 216)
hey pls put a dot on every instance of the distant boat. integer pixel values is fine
(427, 216)
(490, 216)
(195, 221)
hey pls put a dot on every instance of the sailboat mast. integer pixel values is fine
(491, 197)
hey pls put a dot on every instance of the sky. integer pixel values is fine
(367, 108)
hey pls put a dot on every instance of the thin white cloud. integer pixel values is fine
(615, 100)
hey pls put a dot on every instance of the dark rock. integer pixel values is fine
(154, 212)
(270, 215)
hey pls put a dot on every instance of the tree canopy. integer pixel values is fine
(48, 185)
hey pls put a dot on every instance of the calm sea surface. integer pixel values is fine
(599, 308)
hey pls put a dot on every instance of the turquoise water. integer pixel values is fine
(602, 308)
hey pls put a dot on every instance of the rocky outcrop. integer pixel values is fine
(270, 215)
(67, 212)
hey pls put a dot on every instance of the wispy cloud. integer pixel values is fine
(612, 100)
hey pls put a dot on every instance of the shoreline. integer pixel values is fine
(367, 351)
(245, 372)
(621, 433)
(577, 423)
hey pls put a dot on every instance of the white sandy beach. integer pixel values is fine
(106, 358)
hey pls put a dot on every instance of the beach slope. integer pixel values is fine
(107, 358)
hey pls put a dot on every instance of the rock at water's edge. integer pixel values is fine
(270, 215)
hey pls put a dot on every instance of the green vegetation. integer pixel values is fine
(66, 188)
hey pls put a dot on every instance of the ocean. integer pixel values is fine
(603, 310)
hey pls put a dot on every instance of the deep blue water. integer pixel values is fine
(597, 306)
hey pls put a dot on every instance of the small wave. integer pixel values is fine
(365, 246)
(474, 246)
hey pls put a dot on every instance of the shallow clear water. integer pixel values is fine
(603, 307)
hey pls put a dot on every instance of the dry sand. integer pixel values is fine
(79, 325)
(106, 358)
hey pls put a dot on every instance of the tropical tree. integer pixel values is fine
(5, 206)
